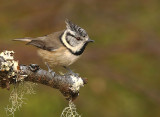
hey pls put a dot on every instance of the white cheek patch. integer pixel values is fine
(74, 49)
(72, 41)
(69, 40)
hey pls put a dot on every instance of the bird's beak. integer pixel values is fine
(90, 40)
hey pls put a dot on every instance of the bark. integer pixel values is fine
(68, 84)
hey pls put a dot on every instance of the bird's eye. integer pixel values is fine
(78, 38)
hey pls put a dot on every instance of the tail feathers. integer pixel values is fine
(24, 39)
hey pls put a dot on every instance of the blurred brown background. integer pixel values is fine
(122, 65)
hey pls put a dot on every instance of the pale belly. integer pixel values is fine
(60, 57)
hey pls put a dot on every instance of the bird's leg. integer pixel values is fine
(69, 70)
(49, 69)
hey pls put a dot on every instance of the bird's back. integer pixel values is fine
(49, 42)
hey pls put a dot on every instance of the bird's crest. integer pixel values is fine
(75, 28)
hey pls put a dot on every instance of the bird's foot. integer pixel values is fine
(49, 69)
(70, 72)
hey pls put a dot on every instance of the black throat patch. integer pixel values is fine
(77, 53)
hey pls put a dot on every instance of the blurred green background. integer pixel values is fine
(122, 66)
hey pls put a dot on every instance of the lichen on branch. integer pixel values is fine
(11, 73)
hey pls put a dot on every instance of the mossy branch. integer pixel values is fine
(11, 73)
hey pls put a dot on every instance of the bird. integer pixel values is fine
(61, 48)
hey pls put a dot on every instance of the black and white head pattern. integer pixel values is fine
(74, 38)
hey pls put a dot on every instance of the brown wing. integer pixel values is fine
(50, 42)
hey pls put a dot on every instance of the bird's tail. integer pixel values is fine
(28, 39)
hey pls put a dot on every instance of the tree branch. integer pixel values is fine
(10, 73)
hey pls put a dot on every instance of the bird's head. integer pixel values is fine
(75, 38)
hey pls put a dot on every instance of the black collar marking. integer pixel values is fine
(75, 53)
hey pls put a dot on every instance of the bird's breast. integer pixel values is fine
(61, 56)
